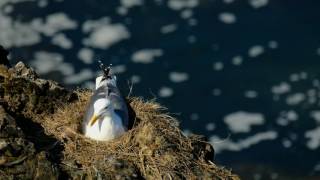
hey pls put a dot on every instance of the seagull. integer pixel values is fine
(106, 117)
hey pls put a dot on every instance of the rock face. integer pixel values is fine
(19, 159)
(40, 137)
(22, 155)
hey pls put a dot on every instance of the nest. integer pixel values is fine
(154, 148)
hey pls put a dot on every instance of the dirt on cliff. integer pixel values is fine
(40, 137)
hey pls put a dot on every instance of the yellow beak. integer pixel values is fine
(93, 120)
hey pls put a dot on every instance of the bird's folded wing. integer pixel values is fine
(119, 104)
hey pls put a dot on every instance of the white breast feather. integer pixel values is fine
(111, 128)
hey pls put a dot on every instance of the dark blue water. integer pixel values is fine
(277, 41)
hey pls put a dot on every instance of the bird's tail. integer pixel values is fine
(107, 79)
(102, 81)
(106, 70)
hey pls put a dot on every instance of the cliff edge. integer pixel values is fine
(40, 137)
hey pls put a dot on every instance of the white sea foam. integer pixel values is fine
(216, 92)
(210, 126)
(178, 77)
(294, 77)
(317, 167)
(4, 2)
(255, 51)
(316, 83)
(237, 60)
(286, 117)
(103, 34)
(241, 122)
(218, 66)
(16, 34)
(182, 4)
(91, 25)
(258, 3)
(186, 14)
(45, 62)
(165, 92)
(228, 1)
(226, 144)
(8, 9)
(131, 3)
(281, 88)
(318, 51)
(42, 3)
(303, 75)
(250, 94)
(168, 28)
(292, 115)
(127, 4)
(295, 99)
(313, 137)
(106, 35)
(315, 115)
(54, 23)
(286, 143)
(83, 75)
(135, 79)
(146, 56)
(86, 55)
(227, 18)
(62, 41)
(273, 44)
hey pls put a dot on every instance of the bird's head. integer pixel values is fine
(101, 108)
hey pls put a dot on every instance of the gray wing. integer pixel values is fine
(119, 104)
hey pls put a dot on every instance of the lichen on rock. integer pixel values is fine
(40, 137)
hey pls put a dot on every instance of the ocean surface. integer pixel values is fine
(245, 73)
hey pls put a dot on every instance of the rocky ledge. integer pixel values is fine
(40, 137)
